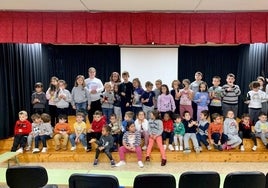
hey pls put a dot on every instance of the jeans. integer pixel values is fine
(82, 138)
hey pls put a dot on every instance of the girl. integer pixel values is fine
(202, 131)
(138, 91)
(51, 95)
(186, 96)
(165, 101)
(114, 79)
(201, 98)
(141, 125)
(168, 132)
(80, 95)
(179, 131)
(155, 135)
(264, 88)
(117, 103)
(39, 99)
(107, 101)
(175, 94)
(131, 143)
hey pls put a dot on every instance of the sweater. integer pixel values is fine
(216, 100)
(80, 95)
(59, 127)
(261, 127)
(80, 128)
(106, 141)
(94, 84)
(22, 127)
(137, 93)
(201, 99)
(46, 129)
(203, 127)
(155, 127)
(230, 97)
(179, 128)
(230, 127)
(184, 99)
(168, 125)
(256, 98)
(188, 129)
(165, 103)
(60, 102)
(132, 139)
(141, 126)
(107, 100)
(148, 95)
(97, 125)
(42, 100)
(215, 128)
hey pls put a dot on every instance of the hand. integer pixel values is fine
(74, 107)
(88, 107)
(212, 141)
(101, 148)
(127, 105)
(92, 140)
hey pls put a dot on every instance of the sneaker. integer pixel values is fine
(121, 163)
(95, 162)
(198, 150)
(57, 148)
(254, 148)
(242, 148)
(229, 147)
(187, 150)
(147, 158)
(170, 147)
(88, 150)
(224, 146)
(165, 147)
(44, 150)
(85, 148)
(140, 164)
(112, 163)
(36, 150)
(181, 148)
(20, 150)
(163, 162)
(208, 147)
(28, 148)
(176, 148)
(144, 148)
(73, 148)
(215, 146)
(220, 147)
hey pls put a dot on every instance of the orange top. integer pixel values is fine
(64, 127)
(215, 128)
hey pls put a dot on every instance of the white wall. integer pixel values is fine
(150, 64)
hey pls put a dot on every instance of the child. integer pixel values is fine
(261, 128)
(158, 84)
(80, 96)
(36, 118)
(107, 101)
(230, 128)
(201, 98)
(254, 100)
(115, 79)
(264, 88)
(98, 122)
(155, 135)
(215, 96)
(141, 125)
(179, 132)
(62, 131)
(126, 93)
(39, 99)
(165, 102)
(168, 132)
(63, 98)
(22, 129)
(175, 94)
(131, 143)
(105, 144)
(246, 130)
(190, 127)
(45, 133)
(230, 93)
(186, 96)
(138, 91)
(79, 134)
(115, 130)
(202, 131)
(215, 132)
(117, 103)
(127, 118)
(194, 86)
(147, 99)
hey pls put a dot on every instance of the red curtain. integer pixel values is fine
(133, 28)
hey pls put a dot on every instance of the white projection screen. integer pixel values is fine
(150, 64)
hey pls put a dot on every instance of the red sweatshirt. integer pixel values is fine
(97, 125)
(23, 127)
(168, 125)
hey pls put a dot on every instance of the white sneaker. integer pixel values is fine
(242, 148)
(44, 150)
(140, 164)
(170, 147)
(20, 150)
(165, 147)
(181, 148)
(254, 148)
(144, 148)
(208, 147)
(73, 148)
(177, 148)
(28, 148)
(121, 163)
(36, 150)
(85, 148)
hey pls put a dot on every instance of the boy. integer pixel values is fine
(36, 118)
(22, 129)
(62, 131)
(147, 99)
(105, 144)
(39, 99)
(194, 86)
(179, 132)
(158, 84)
(96, 127)
(107, 101)
(115, 130)
(215, 96)
(261, 128)
(230, 93)
(202, 132)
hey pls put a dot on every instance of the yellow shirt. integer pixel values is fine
(80, 127)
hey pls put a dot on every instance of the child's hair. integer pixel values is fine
(107, 128)
(156, 114)
(138, 81)
(113, 115)
(175, 81)
(35, 116)
(185, 112)
(186, 81)
(205, 113)
(38, 84)
(23, 112)
(63, 82)
(167, 90)
(231, 75)
(262, 114)
(91, 69)
(118, 76)
(97, 112)
(80, 114)
(203, 83)
(46, 117)
(254, 85)
(51, 86)
(176, 116)
(63, 116)
(78, 77)
(129, 114)
(215, 116)
(199, 73)
(168, 114)
(141, 111)
(263, 81)
(129, 123)
(107, 84)
(245, 115)
(217, 77)
(125, 73)
(148, 84)
(159, 81)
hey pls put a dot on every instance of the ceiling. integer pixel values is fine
(135, 5)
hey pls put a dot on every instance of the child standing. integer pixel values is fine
(79, 134)
(115, 130)
(165, 102)
(168, 132)
(22, 129)
(107, 101)
(190, 127)
(186, 96)
(157, 89)
(117, 103)
(98, 122)
(105, 144)
(39, 99)
(62, 131)
(202, 131)
(264, 88)
(261, 128)
(246, 130)
(179, 132)
(131, 143)
(36, 122)
(141, 125)
(138, 91)
(155, 135)
(215, 96)
(194, 86)
(201, 98)
(231, 130)
(175, 94)
(45, 133)
(147, 99)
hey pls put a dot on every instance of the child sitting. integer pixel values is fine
(127, 118)
(141, 125)
(168, 132)
(36, 118)
(202, 131)
(115, 130)
(62, 131)
(79, 134)
(179, 131)
(22, 129)
(131, 143)
(261, 128)
(105, 144)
